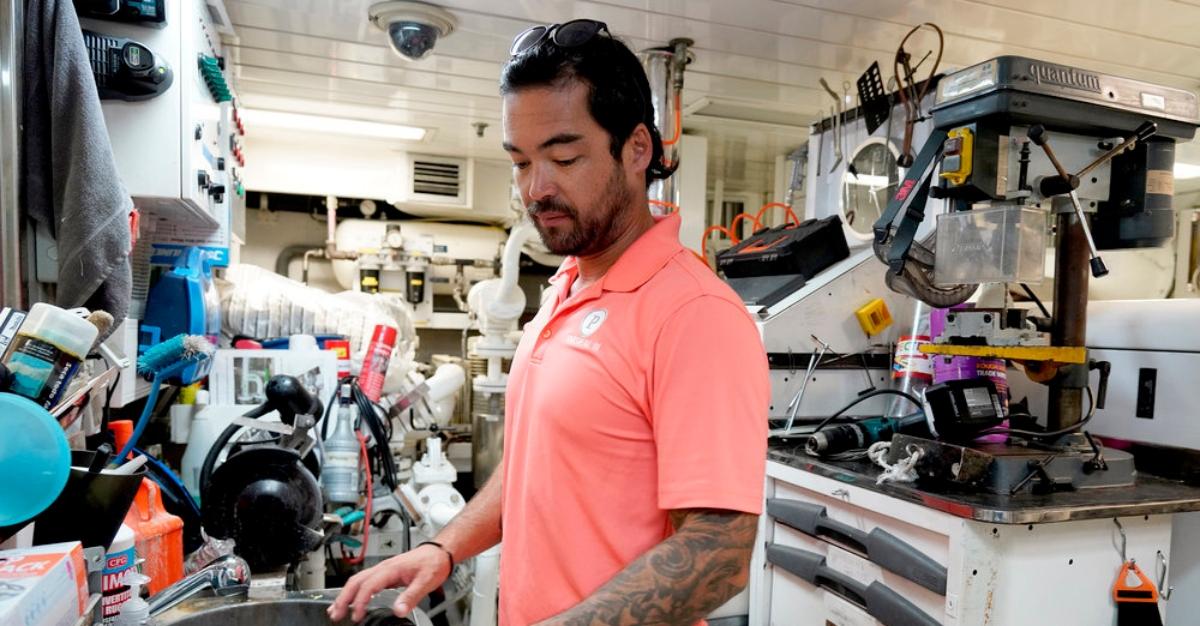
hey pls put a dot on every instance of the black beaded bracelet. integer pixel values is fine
(440, 547)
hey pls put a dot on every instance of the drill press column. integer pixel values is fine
(1070, 316)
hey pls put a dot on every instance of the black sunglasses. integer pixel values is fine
(566, 35)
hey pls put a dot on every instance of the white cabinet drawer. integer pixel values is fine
(857, 568)
(930, 541)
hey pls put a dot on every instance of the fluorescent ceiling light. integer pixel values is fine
(333, 125)
(1186, 170)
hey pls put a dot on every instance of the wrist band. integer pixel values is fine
(440, 547)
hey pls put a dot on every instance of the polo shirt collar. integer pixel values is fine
(639, 262)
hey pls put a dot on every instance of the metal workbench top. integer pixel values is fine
(1150, 495)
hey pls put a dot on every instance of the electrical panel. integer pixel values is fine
(178, 151)
(173, 150)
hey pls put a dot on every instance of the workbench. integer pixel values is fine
(983, 558)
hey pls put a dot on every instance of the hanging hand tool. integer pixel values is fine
(846, 107)
(794, 406)
(910, 95)
(876, 107)
(820, 141)
(836, 114)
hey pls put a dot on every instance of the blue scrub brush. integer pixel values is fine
(170, 357)
(167, 362)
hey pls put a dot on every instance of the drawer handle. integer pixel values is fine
(877, 599)
(878, 546)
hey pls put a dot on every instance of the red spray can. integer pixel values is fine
(375, 361)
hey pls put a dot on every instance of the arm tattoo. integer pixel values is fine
(679, 581)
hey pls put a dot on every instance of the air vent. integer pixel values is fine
(439, 179)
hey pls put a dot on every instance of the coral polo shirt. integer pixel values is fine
(646, 392)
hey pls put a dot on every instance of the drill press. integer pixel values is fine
(1018, 143)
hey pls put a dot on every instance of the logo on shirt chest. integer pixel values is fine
(590, 324)
(593, 321)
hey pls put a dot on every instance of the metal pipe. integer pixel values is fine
(1070, 319)
(308, 254)
(664, 70)
(12, 19)
(331, 251)
(285, 257)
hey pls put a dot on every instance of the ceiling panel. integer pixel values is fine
(324, 56)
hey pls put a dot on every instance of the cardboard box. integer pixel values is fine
(43, 585)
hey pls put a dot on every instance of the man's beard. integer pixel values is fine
(581, 236)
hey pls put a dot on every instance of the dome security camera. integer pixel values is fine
(413, 28)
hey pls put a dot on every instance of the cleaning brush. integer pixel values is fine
(160, 364)
(173, 354)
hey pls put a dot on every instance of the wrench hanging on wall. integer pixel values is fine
(836, 114)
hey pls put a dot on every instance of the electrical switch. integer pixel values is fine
(957, 155)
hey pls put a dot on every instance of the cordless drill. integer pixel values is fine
(863, 433)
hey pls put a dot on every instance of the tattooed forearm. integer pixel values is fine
(680, 580)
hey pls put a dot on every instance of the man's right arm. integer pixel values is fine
(423, 569)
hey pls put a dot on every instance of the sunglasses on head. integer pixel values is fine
(566, 35)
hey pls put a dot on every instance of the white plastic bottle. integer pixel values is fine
(135, 611)
(339, 475)
(46, 352)
(119, 563)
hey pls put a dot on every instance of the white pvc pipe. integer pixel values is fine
(331, 204)
(511, 258)
(483, 594)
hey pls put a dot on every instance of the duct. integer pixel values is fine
(664, 69)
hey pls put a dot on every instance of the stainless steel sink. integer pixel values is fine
(298, 609)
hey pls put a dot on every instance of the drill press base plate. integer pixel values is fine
(1011, 468)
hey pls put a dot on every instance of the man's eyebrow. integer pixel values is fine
(561, 138)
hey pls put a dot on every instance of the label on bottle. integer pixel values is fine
(39, 369)
(374, 371)
(339, 475)
(113, 588)
(911, 361)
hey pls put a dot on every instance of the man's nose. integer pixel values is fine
(541, 184)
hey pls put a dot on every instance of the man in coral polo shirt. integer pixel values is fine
(635, 434)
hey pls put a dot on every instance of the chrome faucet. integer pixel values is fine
(228, 575)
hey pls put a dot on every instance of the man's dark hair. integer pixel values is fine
(618, 92)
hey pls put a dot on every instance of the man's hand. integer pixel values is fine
(679, 581)
(420, 570)
(426, 567)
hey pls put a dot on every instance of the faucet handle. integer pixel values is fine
(230, 575)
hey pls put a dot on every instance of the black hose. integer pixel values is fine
(1037, 300)
(210, 459)
(856, 401)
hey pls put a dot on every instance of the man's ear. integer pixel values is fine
(637, 152)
